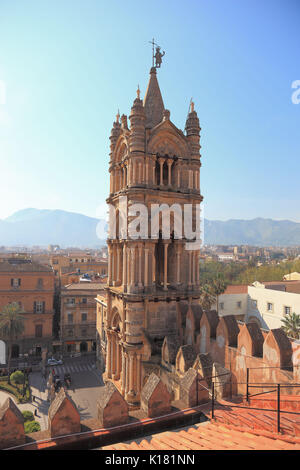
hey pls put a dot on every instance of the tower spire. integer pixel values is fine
(153, 102)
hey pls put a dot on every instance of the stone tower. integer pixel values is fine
(153, 282)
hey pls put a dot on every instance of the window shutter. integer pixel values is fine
(19, 282)
(34, 307)
(11, 282)
(44, 305)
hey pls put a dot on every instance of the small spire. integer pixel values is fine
(192, 105)
(138, 92)
(118, 115)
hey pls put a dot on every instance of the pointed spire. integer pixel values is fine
(153, 102)
(115, 132)
(192, 127)
(192, 123)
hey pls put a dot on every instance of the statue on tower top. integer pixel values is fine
(157, 56)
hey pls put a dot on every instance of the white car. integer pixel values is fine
(54, 362)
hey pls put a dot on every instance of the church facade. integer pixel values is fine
(153, 280)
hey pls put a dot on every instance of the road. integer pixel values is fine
(84, 391)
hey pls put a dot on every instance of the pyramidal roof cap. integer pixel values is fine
(153, 102)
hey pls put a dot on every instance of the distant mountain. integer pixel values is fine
(44, 227)
(261, 232)
(57, 227)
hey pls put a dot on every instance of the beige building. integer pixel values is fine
(234, 301)
(292, 277)
(152, 282)
(269, 304)
(78, 317)
(265, 303)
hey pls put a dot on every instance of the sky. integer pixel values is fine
(67, 66)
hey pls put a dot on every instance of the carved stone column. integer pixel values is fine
(140, 248)
(118, 360)
(166, 266)
(109, 264)
(131, 373)
(190, 269)
(153, 175)
(161, 162)
(123, 379)
(113, 352)
(134, 172)
(169, 162)
(117, 276)
(132, 267)
(147, 170)
(153, 265)
(146, 267)
(138, 373)
(129, 173)
(127, 373)
(108, 356)
(124, 267)
(178, 264)
(178, 174)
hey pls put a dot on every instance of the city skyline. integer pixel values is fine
(72, 71)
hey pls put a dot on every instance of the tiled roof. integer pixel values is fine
(84, 286)
(209, 436)
(24, 267)
(241, 289)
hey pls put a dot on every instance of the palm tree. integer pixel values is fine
(217, 288)
(291, 325)
(207, 297)
(11, 327)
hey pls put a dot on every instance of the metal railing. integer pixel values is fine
(278, 388)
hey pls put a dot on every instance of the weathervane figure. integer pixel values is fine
(157, 56)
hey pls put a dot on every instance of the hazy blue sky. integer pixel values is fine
(68, 65)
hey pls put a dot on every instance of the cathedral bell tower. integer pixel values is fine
(152, 281)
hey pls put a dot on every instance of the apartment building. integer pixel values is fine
(78, 317)
(65, 265)
(31, 285)
(265, 303)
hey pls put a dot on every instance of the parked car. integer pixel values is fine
(54, 362)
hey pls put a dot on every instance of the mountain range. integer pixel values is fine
(31, 227)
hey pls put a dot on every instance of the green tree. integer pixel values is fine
(207, 297)
(28, 415)
(31, 426)
(17, 377)
(11, 327)
(291, 325)
(217, 288)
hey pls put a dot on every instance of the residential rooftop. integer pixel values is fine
(19, 266)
